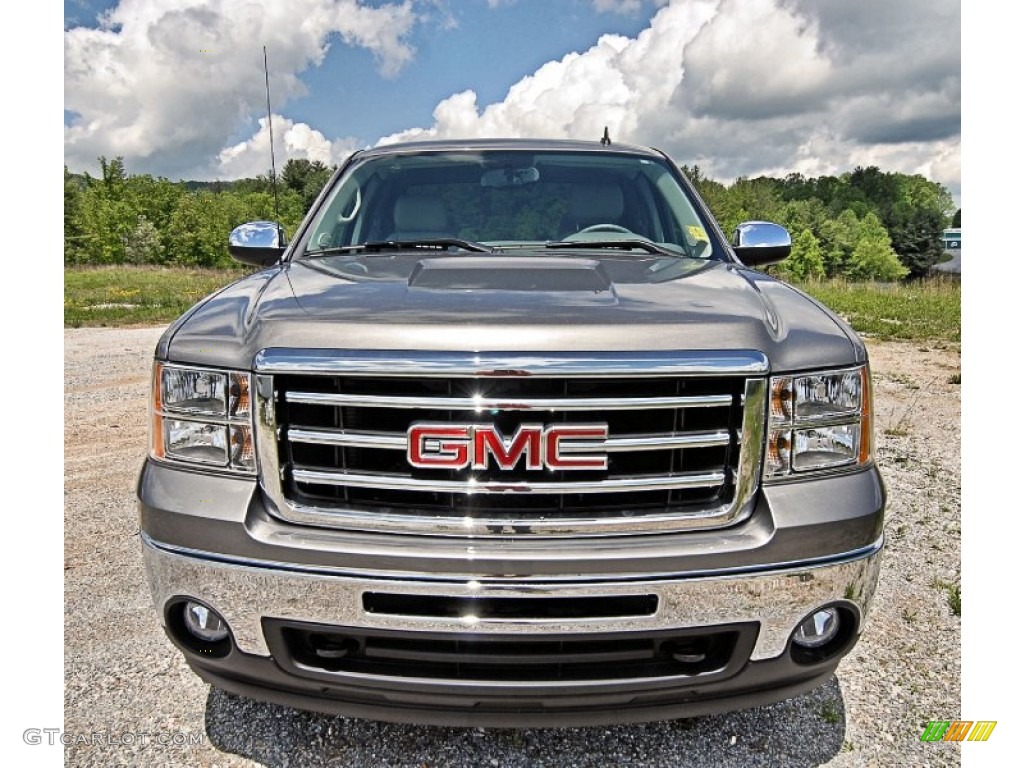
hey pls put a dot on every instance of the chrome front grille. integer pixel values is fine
(683, 450)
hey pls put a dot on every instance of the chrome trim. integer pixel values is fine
(383, 521)
(434, 577)
(399, 442)
(523, 404)
(256, 234)
(748, 473)
(777, 599)
(469, 487)
(712, 439)
(420, 363)
(761, 234)
(751, 447)
(265, 438)
(393, 441)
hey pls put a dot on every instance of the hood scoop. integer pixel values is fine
(510, 273)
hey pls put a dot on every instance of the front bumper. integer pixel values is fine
(252, 595)
(807, 544)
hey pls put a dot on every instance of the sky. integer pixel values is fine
(738, 87)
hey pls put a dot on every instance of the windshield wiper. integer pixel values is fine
(433, 244)
(625, 245)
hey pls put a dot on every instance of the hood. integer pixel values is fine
(593, 302)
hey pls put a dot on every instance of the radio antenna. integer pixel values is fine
(273, 164)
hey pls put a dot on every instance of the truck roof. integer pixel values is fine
(536, 145)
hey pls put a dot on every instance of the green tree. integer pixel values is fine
(714, 193)
(808, 213)
(916, 220)
(912, 209)
(305, 178)
(199, 229)
(838, 237)
(873, 257)
(112, 172)
(143, 245)
(805, 260)
(104, 219)
(73, 190)
(154, 198)
(750, 200)
(746, 199)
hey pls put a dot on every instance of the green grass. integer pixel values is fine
(830, 713)
(953, 598)
(929, 309)
(119, 296)
(952, 590)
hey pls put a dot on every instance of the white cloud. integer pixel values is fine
(745, 87)
(618, 82)
(174, 80)
(291, 140)
(741, 87)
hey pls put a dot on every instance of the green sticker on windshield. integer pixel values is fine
(697, 233)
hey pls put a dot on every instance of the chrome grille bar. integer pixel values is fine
(498, 404)
(422, 363)
(348, 438)
(398, 442)
(469, 487)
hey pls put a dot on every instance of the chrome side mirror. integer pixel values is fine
(259, 243)
(758, 243)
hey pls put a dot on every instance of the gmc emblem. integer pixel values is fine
(457, 446)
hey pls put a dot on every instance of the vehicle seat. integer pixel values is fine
(418, 217)
(592, 204)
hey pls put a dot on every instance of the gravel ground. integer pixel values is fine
(131, 700)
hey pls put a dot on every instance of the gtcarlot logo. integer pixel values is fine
(958, 730)
(52, 736)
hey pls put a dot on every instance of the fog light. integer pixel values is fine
(204, 623)
(817, 629)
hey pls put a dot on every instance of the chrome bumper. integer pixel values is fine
(244, 592)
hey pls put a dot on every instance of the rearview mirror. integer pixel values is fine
(260, 243)
(759, 243)
(510, 177)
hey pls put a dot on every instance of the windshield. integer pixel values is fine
(508, 200)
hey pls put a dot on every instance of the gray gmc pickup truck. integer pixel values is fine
(510, 434)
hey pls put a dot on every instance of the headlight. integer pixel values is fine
(819, 421)
(202, 417)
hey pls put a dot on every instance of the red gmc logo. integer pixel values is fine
(457, 446)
